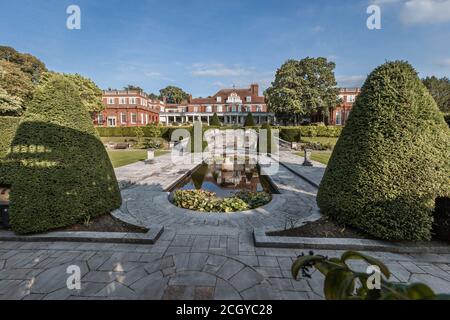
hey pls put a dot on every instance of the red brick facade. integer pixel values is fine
(127, 109)
(339, 115)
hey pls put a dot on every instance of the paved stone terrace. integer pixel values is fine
(146, 203)
(195, 258)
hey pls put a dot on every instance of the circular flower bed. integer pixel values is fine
(205, 201)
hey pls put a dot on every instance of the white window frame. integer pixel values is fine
(132, 100)
(219, 108)
(134, 118)
(122, 100)
(100, 119)
(219, 99)
(110, 101)
(112, 122)
(338, 118)
(249, 99)
(142, 118)
(122, 114)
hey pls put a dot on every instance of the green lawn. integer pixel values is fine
(121, 158)
(319, 156)
(326, 140)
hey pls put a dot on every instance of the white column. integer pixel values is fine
(208, 120)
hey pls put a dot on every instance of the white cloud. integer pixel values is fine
(219, 70)
(444, 63)
(420, 11)
(153, 74)
(318, 29)
(350, 81)
(425, 11)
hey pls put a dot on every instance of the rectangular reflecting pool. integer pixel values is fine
(225, 177)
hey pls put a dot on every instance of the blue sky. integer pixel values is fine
(203, 45)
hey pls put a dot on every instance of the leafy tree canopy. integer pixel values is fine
(303, 87)
(131, 87)
(29, 64)
(16, 82)
(173, 94)
(440, 90)
(10, 105)
(90, 93)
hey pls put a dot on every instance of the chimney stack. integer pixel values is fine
(254, 88)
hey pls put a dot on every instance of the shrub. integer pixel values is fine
(249, 122)
(290, 134)
(205, 201)
(344, 283)
(8, 127)
(318, 146)
(392, 159)
(215, 122)
(63, 174)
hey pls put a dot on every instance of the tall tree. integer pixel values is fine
(304, 87)
(440, 90)
(173, 94)
(153, 96)
(29, 64)
(131, 87)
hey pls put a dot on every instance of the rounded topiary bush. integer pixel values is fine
(64, 175)
(392, 159)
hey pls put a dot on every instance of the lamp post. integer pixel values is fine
(307, 162)
(150, 156)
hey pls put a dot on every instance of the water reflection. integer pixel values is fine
(227, 176)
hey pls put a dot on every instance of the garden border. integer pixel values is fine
(261, 239)
(149, 237)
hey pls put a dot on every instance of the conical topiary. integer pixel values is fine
(64, 175)
(215, 121)
(249, 122)
(392, 159)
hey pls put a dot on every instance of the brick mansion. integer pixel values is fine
(125, 108)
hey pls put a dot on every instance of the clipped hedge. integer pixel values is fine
(392, 159)
(8, 127)
(63, 174)
(294, 134)
(149, 131)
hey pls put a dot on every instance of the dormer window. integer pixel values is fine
(219, 99)
(249, 99)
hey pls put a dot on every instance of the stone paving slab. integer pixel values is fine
(195, 258)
